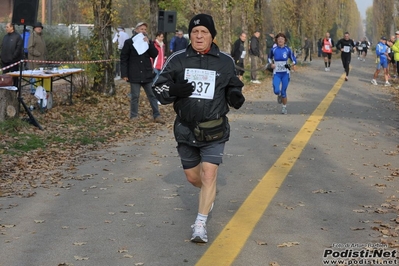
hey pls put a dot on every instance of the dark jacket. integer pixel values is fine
(237, 50)
(254, 46)
(180, 44)
(342, 43)
(12, 48)
(138, 68)
(191, 110)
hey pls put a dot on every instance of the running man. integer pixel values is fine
(346, 46)
(365, 45)
(278, 59)
(327, 45)
(381, 50)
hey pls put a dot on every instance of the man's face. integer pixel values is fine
(141, 29)
(243, 37)
(346, 36)
(201, 38)
(327, 35)
(38, 29)
(257, 34)
(9, 28)
(180, 34)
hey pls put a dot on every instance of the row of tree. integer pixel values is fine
(382, 19)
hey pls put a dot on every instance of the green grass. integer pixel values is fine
(28, 142)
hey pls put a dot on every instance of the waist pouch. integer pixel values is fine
(210, 130)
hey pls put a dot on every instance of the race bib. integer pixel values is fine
(327, 47)
(203, 81)
(280, 66)
(364, 45)
(360, 48)
(347, 49)
(243, 54)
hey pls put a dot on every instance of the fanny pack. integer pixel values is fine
(210, 130)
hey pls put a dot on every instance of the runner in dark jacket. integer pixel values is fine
(201, 82)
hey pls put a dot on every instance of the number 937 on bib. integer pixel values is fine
(203, 81)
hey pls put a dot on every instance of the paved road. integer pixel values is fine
(290, 187)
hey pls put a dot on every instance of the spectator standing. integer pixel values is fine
(180, 42)
(160, 59)
(319, 45)
(172, 42)
(395, 49)
(391, 56)
(11, 51)
(201, 126)
(307, 48)
(136, 68)
(36, 46)
(238, 53)
(25, 37)
(254, 55)
(269, 43)
(120, 37)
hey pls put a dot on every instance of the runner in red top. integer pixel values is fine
(327, 45)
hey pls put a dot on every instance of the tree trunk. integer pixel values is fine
(8, 104)
(104, 79)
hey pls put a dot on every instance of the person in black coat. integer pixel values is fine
(11, 51)
(238, 53)
(136, 68)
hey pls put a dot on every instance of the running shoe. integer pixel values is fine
(346, 78)
(326, 69)
(199, 233)
(374, 82)
(387, 84)
(279, 99)
(284, 110)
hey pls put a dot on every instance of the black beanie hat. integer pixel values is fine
(203, 20)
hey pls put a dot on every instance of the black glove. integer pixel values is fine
(236, 99)
(182, 90)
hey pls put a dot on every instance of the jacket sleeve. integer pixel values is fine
(234, 52)
(234, 84)
(31, 46)
(125, 53)
(18, 50)
(167, 77)
(153, 51)
(395, 47)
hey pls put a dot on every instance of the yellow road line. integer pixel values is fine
(231, 240)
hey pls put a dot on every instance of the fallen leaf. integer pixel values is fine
(288, 244)
(260, 242)
(79, 243)
(359, 211)
(80, 258)
(274, 264)
(357, 228)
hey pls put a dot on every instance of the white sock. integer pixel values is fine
(201, 218)
(284, 106)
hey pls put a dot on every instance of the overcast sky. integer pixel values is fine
(362, 5)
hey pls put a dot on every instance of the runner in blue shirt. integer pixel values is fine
(278, 61)
(381, 50)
